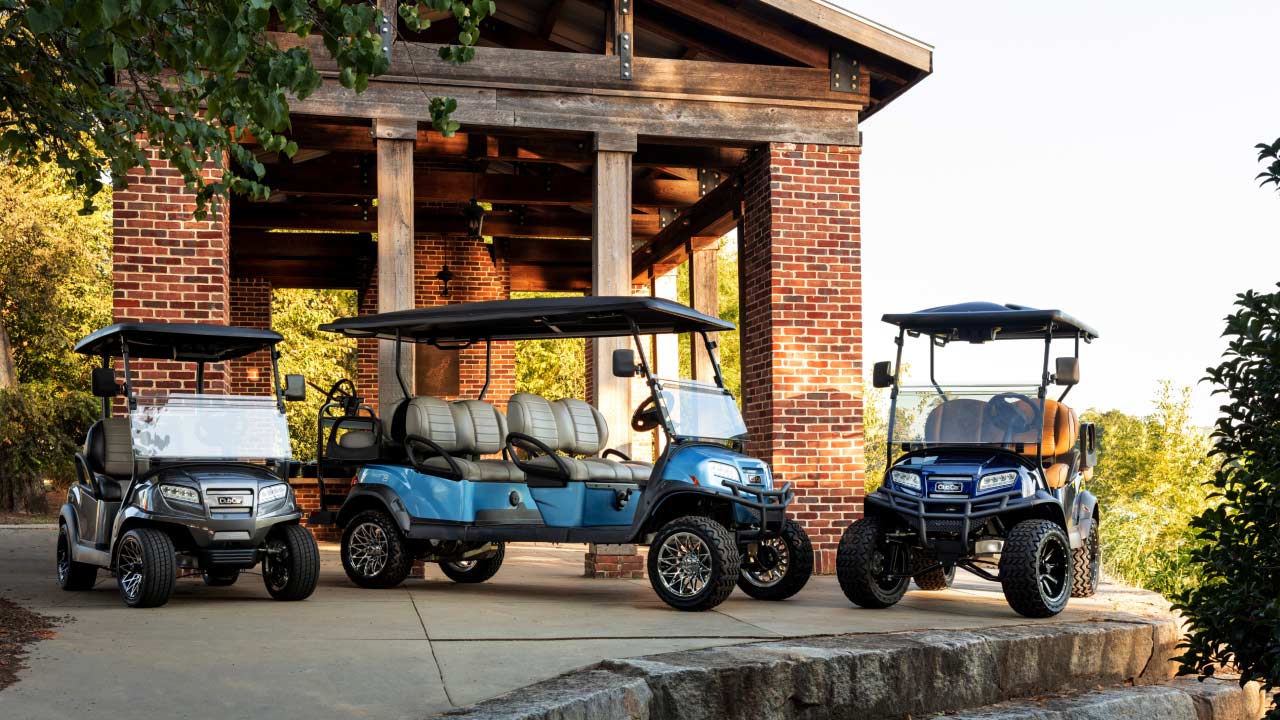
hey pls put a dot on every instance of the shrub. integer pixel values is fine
(1233, 614)
(44, 427)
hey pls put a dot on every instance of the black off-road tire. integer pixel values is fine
(857, 566)
(159, 567)
(1087, 560)
(300, 564)
(799, 567)
(1021, 565)
(398, 558)
(220, 578)
(72, 575)
(936, 579)
(478, 570)
(724, 563)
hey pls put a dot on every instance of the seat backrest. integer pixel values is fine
(428, 417)
(108, 447)
(481, 427)
(583, 430)
(955, 421)
(533, 415)
(1061, 429)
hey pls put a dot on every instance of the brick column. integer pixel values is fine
(168, 266)
(251, 308)
(801, 330)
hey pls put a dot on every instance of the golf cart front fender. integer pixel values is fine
(730, 506)
(1084, 515)
(917, 512)
(374, 497)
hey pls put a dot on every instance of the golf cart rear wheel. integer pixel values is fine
(939, 578)
(374, 553)
(780, 567)
(146, 569)
(475, 570)
(291, 566)
(1088, 565)
(1035, 568)
(864, 566)
(693, 563)
(219, 577)
(72, 575)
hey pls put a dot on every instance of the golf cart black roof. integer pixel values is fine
(530, 319)
(184, 342)
(982, 321)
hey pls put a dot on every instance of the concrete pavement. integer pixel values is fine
(425, 647)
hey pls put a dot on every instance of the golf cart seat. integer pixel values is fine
(108, 451)
(963, 421)
(447, 439)
(561, 430)
(956, 421)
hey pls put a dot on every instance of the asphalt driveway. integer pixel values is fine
(413, 651)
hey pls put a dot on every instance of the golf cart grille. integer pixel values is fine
(244, 557)
(950, 527)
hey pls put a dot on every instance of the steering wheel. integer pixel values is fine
(344, 392)
(1004, 412)
(646, 416)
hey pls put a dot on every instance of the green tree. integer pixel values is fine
(1269, 154)
(55, 276)
(82, 80)
(1233, 613)
(323, 358)
(730, 349)
(551, 368)
(42, 429)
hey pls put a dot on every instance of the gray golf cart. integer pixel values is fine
(193, 481)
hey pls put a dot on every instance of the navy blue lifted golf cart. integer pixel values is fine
(453, 482)
(184, 480)
(985, 478)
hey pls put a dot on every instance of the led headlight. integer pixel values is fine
(998, 480)
(721, 472)
(907, 480)
(272, 493)
(180, 493)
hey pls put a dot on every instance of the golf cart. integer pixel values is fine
(453, 482)
(990, 478)
(182, 480)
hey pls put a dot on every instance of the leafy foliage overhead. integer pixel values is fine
(1270, 154)
(1233, 616)
(82, 80)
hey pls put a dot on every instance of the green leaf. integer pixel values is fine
(42, 19)
(119, 57)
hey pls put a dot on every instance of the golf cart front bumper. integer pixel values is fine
(758, 506)
(951, 517)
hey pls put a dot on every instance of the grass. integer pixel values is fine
(16, 518)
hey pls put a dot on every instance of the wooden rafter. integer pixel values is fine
(712, 216)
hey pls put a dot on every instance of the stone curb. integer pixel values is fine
(1181, 699)
(866, 676)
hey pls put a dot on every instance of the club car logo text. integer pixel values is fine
(230, 500)
(947, 486)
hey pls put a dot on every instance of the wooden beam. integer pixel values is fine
(395, 248)
(752, 29)
(704, 296)
(550, 19)
(611, 273)
(712, 216)
(859, 30)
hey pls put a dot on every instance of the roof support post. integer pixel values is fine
(394, 141)
(704, 296)
(611, 273)
(666, 347)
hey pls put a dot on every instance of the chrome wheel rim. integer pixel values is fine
(275, 564)
(463, 565)
(1051, 569)
(768, 577)
(368, 549)
(64, 557)
(129, 567)
(684, 564)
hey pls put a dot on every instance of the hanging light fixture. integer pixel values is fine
(474, 212)
(444, 276)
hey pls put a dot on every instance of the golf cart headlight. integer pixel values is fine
(272, 493)
(721, 472)
(180, 493)
(998, 480)
(903, 479)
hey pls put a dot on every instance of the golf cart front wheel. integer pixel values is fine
(291, 567)
(72, 575)
(218, 577)
(374, 553)
(693, 563)
(146, 568)
(475, 570)
(866, 567)
(780, 566)
(1035, 568)
(1088, 565)
(939, 578)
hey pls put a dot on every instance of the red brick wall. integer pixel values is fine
(307, 493)
(168, 266)
(801, 330)
(251, 307)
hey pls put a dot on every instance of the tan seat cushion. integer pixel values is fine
(1057, 475)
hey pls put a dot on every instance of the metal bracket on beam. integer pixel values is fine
(708, 180)
(666, 215)
(624, 53)
(844, 72)
(386, 31)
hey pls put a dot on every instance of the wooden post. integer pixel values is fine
(666, 354)
(704, 296)
(611, 273)
(394, 140)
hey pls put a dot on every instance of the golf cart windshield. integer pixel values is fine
(1003, 416)
(209, 427)
(701, 410)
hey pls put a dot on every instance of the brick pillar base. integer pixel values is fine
(613, 561)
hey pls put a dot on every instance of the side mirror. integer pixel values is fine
(295, 388)
(1068, 371)
(624, 363)
(104, 383)
(881, 375)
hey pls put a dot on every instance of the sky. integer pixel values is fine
(1095, 157)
